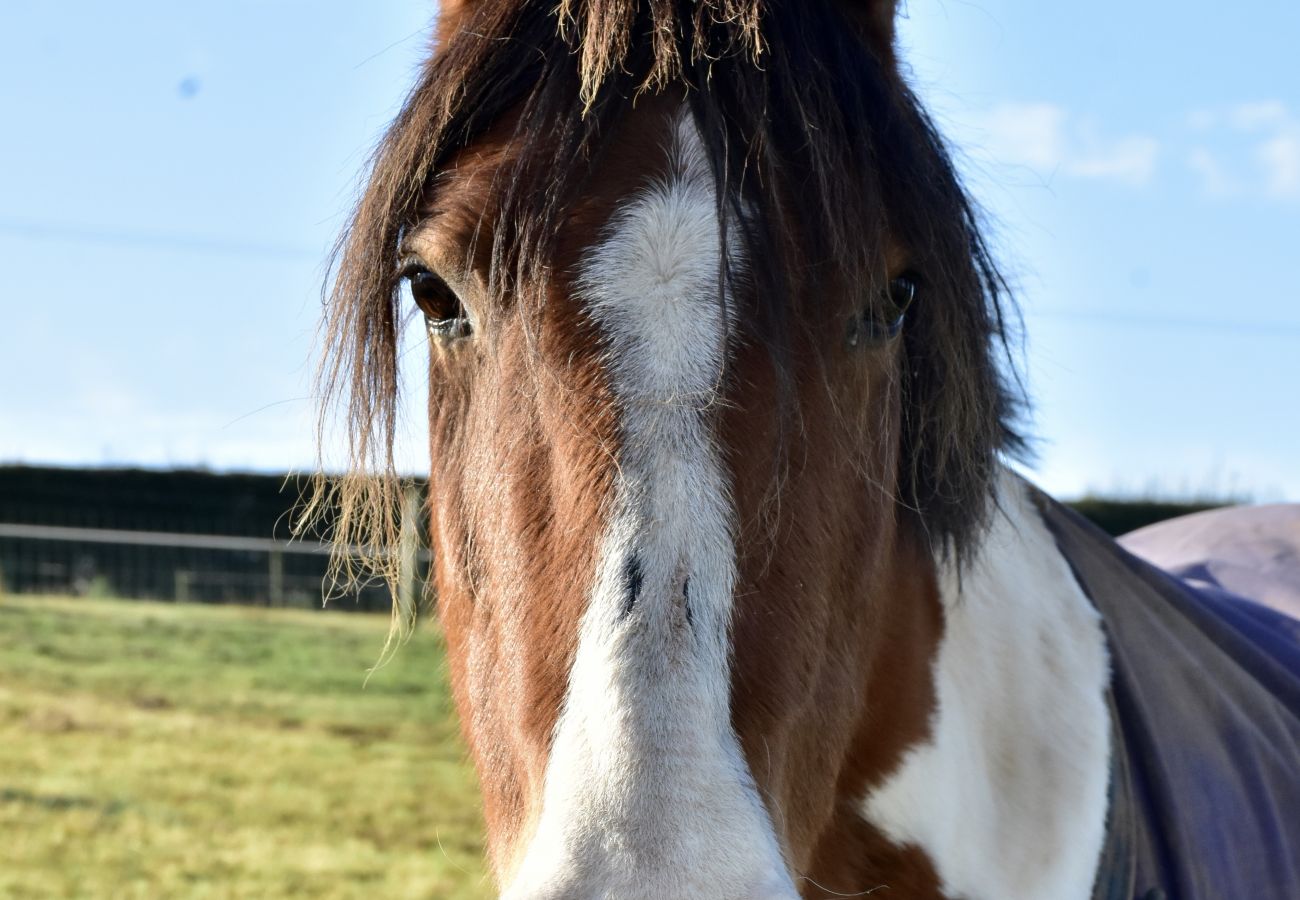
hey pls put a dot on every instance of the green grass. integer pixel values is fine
(157, 750)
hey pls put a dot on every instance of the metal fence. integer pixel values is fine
(188, 567)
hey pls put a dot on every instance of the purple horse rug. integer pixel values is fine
(1205, 706)
(1250, 551)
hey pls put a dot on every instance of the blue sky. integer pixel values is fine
(171, 176)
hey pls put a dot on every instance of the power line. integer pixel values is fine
(123, 237)
(1266, 329)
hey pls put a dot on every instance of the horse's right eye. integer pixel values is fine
(442, 309)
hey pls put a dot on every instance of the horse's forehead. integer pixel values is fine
(459, 205)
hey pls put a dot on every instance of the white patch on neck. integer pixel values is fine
(1008, 798)
(647, 794)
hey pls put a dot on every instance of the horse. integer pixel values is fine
(742, 597)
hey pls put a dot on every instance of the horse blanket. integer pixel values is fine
(1205, 708)
(1250, 551)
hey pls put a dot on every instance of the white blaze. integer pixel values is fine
(647, 793)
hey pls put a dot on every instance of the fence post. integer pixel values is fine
(408, 548)
(181, 594)
(276, 578)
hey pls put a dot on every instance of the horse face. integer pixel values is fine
(664, 593)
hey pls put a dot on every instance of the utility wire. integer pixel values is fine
(123, 237)
(206, 245)
(1265, 329)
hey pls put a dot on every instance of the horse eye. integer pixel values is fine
(902, 291)
(442, 309)
(882, 322)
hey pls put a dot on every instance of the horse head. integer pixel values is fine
(715, 411)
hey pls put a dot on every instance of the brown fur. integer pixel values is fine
(826, 695)
(526, 433)
(851, 467)
(837, 614)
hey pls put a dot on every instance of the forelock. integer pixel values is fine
(822, 157)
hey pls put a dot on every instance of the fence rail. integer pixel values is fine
(188, 567)
(159, 539)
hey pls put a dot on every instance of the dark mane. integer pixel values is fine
(806, 123)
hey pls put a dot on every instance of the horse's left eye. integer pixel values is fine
(883, 321)
(441, 307)
(902, 291)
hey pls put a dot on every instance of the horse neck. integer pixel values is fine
(1008, 794)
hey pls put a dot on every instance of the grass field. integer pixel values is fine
(158, 750)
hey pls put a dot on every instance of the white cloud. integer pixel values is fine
(1215, 180)
(1046, 138)
(1251, 149)
(1260, 114)
(1257, 151)
(1131, 160)
(1279, 157)
(1026, 134)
